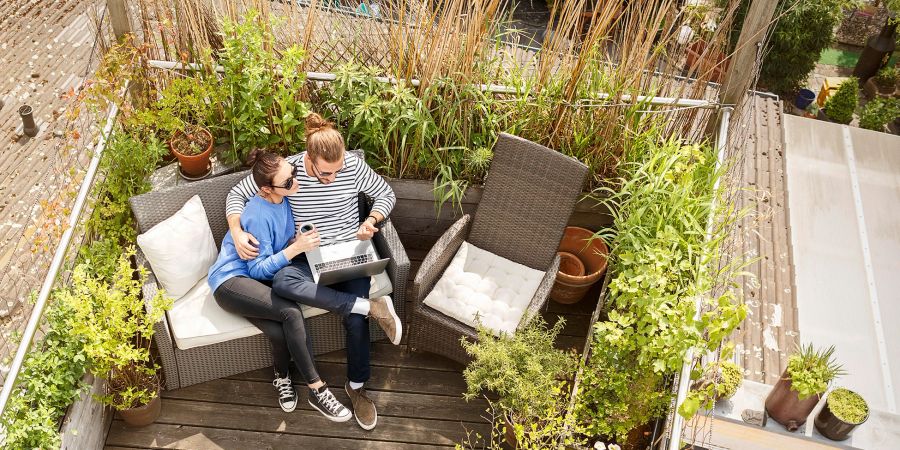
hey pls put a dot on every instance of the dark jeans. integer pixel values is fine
(295, 282)
(279, 319)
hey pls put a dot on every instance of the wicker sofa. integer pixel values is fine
(529, 194)
(203, 363)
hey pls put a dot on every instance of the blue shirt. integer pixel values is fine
(273, 226)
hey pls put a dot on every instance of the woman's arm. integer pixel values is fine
(269, 261)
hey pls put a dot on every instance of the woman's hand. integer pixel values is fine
(304, 242)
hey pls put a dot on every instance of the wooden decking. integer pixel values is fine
(419, 399)
(768, 335)
(45, 48)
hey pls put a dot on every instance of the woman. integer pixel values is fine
(237, 289)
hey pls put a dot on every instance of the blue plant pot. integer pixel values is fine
(804, 98)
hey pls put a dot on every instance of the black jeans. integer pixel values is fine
(295, 282)
(279, 319)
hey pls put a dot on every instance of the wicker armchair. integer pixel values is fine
(186, 367)
(529, 194)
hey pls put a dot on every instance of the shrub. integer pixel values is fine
(841, 106)
(848, 406)
(878, 113)
(803, 30)
(887, 77)
(811, 370)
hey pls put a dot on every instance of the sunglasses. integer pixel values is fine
(289, 183)
(328, 174)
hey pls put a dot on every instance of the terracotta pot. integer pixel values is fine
(713, 61)
(785, 407)
(569, 288)
(569, 264)
(509, 434)
(194, 165)
(833, 428)
(143, 415)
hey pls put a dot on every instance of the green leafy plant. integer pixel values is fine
(524, 369)
(848, 406)
(716, 381)
(111, 319)
(887, 77)
(842, 104)
(263, 88)
(879, 112)
(811, 370)
(50, 381)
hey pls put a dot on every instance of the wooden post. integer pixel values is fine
(742, 69)
(118, 17)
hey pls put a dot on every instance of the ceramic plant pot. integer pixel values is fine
(785, 407)
(575, 277)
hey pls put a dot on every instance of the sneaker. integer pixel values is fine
(287, 396)
(323, 400)
(363, 407)
(382, 310)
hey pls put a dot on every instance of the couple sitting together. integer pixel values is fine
(265, 247)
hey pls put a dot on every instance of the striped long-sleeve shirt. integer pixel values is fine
(333, 207)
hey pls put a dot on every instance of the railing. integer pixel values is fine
(58, 258)
(684, 378)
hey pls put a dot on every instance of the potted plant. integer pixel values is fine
(111, 320)
(883, 84)
(797, 392)
(843, 411)
(841, 106)
(192, 146)
(878, 113)
(529, 376)
(722, 379)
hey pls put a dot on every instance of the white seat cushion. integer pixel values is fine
(197, 320)
(181, 248)
(479, 285)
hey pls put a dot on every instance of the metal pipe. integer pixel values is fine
(28, 126)
(493, 88)
(58, 258)
(684, 378)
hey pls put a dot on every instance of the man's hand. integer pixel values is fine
(246, 245)
(366, 229)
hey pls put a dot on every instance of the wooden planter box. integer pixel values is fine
(86, 423)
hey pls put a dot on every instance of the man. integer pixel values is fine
(330, 180)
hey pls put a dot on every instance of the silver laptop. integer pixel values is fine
(342, 261)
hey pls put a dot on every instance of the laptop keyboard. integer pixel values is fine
(343, 263)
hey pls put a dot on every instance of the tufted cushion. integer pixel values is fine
(197, 320)
(479, 284)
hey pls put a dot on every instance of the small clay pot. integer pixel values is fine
(142, 415)
(591, 254)
(785, 407)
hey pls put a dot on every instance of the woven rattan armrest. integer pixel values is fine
(388, 244)
(438, 259)
(540, 296)
(161, 334)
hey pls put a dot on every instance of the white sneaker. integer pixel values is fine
(287, 396)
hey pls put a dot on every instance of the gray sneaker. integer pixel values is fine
(325, 402)
(382, 310)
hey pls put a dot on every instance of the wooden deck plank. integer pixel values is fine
(159, 435)
(390, 403)
(312, 423)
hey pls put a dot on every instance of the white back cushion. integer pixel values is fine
(181, 248)
(480, 284)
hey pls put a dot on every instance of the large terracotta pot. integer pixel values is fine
(575, 277)
(785, 407)
(143, 415)
(194, 165)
